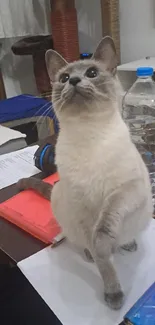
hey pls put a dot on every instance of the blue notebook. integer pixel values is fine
(143, 311)
(24, 106)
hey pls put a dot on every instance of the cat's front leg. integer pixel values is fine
(113, 294)
(104, 241)
(57, 201)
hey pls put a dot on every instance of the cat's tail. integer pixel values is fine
(44, 189)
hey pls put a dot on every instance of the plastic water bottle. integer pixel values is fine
(139, 114)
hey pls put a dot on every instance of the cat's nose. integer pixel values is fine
(74, 80)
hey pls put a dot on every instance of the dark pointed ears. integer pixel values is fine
(106, 53)
(54, 62)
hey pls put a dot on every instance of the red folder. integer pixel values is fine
(33, 213)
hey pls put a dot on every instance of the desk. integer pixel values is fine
(73, 288)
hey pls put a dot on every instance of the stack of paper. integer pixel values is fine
(16, 165)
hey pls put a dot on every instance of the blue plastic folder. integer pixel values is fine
(24, 106)
(143, 311)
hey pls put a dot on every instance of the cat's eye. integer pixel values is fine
(64, 77)
(91, 72)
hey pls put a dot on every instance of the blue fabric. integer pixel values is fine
(24, 106)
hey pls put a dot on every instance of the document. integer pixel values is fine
(16, 165)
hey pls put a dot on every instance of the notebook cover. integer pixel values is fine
(33, 213)
(24, 106)
(143, 311)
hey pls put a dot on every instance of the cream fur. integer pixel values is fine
(95, 159)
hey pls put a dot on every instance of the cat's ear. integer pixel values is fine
(106, 53)
(54, 62)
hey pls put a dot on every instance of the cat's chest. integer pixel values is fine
(81, 166)
(79, 158)
(92, 166)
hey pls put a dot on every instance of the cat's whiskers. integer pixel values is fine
(56, 92)
(100, 95)
(41, 108)
(104, 83)
(46, 93)
(48, 97)
(42, 95)
(43, 116)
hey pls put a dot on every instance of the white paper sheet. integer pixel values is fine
(7, 134)
(73, 288)
(16, 165)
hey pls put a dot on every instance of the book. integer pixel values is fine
(7, 134)
(12, 145)
(33, 213)
(143, 311)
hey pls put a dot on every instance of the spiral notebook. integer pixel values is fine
(33, 213)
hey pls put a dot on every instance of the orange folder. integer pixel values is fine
(33, 213)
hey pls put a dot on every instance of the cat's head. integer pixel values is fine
(83, 85)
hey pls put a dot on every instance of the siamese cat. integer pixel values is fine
(103, 199)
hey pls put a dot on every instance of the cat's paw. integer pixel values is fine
(21, 184)
(114, 300)
(130, 247)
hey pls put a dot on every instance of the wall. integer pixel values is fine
(17, 72)
(137, 29)
(89, 24)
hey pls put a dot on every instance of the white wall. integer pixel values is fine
(137, 29)
(17, 71)
(89, 24)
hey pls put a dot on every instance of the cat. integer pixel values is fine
(103, 199)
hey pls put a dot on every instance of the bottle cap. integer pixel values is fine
(144, 71)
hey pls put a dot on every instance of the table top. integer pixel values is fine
(132, 66)
(73, 288)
